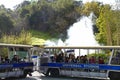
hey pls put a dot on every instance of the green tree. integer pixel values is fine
(54, 17)
(91, 7)
(108, 26)
(22, 38)
(6, 25)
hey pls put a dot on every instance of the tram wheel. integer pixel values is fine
(53, 72)
(24, 75)
(56, 72)
(114, 75)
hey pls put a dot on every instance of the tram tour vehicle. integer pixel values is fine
(97, 62)
(15, 60)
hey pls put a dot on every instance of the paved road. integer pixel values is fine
(38, 76)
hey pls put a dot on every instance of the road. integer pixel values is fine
(38, 76)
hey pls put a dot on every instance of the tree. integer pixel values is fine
(91, 7)
(22, 38)
(54, 17)
(108, 26)
(6, 25)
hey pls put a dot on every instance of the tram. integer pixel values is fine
(97, 62)
(15, 60)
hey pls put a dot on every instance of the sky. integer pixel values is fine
(12, 3)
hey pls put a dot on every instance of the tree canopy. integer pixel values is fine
(52, 18)
(108, 25)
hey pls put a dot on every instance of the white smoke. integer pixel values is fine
(79, 34)
(58, 42)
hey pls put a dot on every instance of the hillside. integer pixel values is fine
(45, 19)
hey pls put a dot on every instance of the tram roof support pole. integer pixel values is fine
(111, 57)
(88, 54)
(79, 52)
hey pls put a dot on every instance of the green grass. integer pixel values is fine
(40, 35)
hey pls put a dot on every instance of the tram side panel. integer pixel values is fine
(43, 69)
(82, 70)
(48, 70)
(16, 69)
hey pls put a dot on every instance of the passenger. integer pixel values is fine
(72, 58)
(52, 58)
(15, 58)
(55, 57)
(66, 59)
(0, 59)
(92, 60)
(100, 60)
(78, 59)
(7, 60)
(60, 58)
(85, 60)
(81, 59)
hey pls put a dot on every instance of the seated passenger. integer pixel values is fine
(85, 60)
(81, 59)
(15, 58)
(72, 58)
(100, 60)
(60, 58)
(2, 60)
(7, 60)
(92, 60)
(77, 59)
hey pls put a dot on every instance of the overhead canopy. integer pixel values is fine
(15, 45)
(82, 47)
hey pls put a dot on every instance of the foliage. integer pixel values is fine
(108, 25)
(22, 38)
(50, 19)
(105, 56)
(41, 35)
(91, 7)
(3, 52)
(5, 23)
(38, 41)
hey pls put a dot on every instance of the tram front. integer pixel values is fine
(15, 60)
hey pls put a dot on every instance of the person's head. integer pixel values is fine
(100, 57)
(92, 57)
(15, 56)
(6, 57)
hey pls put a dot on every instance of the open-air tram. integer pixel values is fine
(98, 62)
(15, 60)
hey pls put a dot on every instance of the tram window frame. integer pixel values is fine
(115, 58)
(17, 51)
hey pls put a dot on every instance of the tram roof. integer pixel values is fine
(82, 47)
(15, 45)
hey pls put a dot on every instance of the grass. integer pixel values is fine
(40, 35)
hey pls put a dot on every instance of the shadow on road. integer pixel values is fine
(38, 76)
(49, 78)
